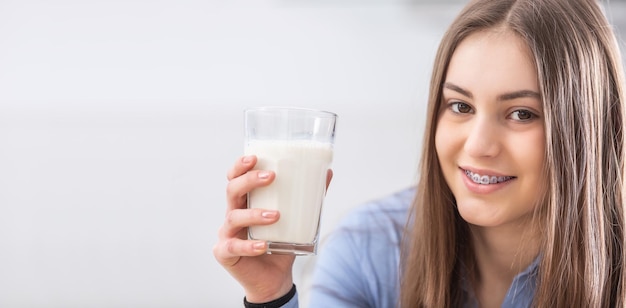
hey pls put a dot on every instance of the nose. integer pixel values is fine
(482, 138)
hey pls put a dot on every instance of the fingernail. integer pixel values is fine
(269, 214)
(258, 246)
(246, 159)
(264, 175)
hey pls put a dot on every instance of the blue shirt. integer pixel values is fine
(358, 263)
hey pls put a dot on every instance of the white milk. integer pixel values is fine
(297, 191)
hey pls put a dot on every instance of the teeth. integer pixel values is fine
(475, 177)
(485, 179)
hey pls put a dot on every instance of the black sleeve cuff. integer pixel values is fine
(275, 303)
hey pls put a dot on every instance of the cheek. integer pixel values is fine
(530, 162)
(532, 156)
(443, 141)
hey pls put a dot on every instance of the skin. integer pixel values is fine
(264, 277)
(490, 123)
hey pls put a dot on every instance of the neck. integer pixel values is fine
(500, 254)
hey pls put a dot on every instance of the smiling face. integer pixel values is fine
(490, 134)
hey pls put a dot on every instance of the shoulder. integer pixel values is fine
(358, 261)
(375, 228)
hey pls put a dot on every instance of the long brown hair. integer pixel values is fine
(582, 218)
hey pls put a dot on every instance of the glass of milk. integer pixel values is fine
(297, 144)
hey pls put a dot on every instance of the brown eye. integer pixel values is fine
(459, 107)
(522, 115)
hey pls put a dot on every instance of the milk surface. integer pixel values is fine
(297, 191)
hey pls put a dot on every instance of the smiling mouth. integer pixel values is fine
(486, 179)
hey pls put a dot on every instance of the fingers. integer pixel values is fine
(228, 252)
(242, 179)
(237, 220)
(233, 243)
(239, 187)
(242, 165)
(232, 235)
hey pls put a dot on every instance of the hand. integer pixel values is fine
(264, 277)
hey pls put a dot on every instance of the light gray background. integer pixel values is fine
(119, 120)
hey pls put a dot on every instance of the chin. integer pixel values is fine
(479, 216)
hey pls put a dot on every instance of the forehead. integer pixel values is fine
(493, 59)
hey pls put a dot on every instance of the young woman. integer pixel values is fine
(520, 199)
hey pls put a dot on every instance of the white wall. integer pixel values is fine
(119, 120)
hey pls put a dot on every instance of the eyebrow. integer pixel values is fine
(502, 97)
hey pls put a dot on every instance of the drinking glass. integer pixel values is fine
(297, 144)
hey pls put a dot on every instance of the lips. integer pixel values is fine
(486, 178)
